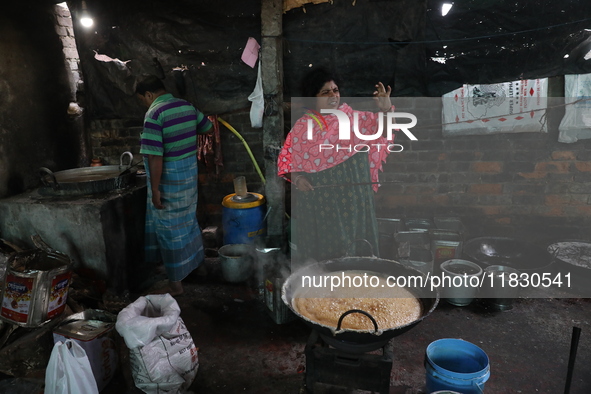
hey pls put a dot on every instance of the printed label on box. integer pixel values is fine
(16, 303)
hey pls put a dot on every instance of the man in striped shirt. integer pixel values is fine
(169, 146)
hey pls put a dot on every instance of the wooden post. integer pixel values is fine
(272, 76)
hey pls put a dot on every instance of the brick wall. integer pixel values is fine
(65, 31)
(111, 137)
(524, 185)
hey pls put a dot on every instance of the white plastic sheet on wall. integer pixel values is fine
(508, 107)
(576, 123)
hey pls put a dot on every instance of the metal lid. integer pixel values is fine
(87, 325)
(251, 200)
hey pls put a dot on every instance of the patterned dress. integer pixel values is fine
(333, 221)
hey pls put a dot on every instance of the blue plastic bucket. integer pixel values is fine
(243, 223)
(457, 365)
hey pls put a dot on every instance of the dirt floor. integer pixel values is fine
(242, 350)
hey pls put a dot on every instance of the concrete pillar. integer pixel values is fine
(272, 75)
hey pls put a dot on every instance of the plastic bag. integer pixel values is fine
(69, 370)
(258, 102)
(162, 354)
(576, 123)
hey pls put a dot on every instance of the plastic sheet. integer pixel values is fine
(576, 123)
(408, 45)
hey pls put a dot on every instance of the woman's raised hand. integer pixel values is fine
(382, 97)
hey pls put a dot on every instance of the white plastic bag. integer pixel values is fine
(162, 354)
(258, 102)
(69, 370)
(576, 123)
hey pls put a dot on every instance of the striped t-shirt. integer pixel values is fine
(170, 128)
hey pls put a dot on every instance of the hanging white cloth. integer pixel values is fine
(258, 102)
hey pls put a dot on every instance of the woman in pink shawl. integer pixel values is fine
(332, 182)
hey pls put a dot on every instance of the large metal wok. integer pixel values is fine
(351, 339)
(523, 256)
(87, 180)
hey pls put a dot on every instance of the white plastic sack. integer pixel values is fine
(162, 354)
(258, 102)
(69, 370)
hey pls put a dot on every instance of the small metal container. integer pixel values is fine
(419, 259)
(387, 230)
(445, 245)
(449, 223)
(497, 290)
(390, 225)
(35, 287)
(272, 271)
(405, 240)
(414, 224)
(236, 261)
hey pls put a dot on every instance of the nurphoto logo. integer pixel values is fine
(344, 122)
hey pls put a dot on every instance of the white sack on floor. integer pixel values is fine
(162, 353)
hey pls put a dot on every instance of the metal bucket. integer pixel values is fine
(35, 287)
(463, 291)
(237, 262)
(497, 290)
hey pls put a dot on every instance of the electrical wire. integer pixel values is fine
(436, 41)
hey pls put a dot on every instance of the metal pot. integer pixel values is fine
(359, 340)
(87, 180)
